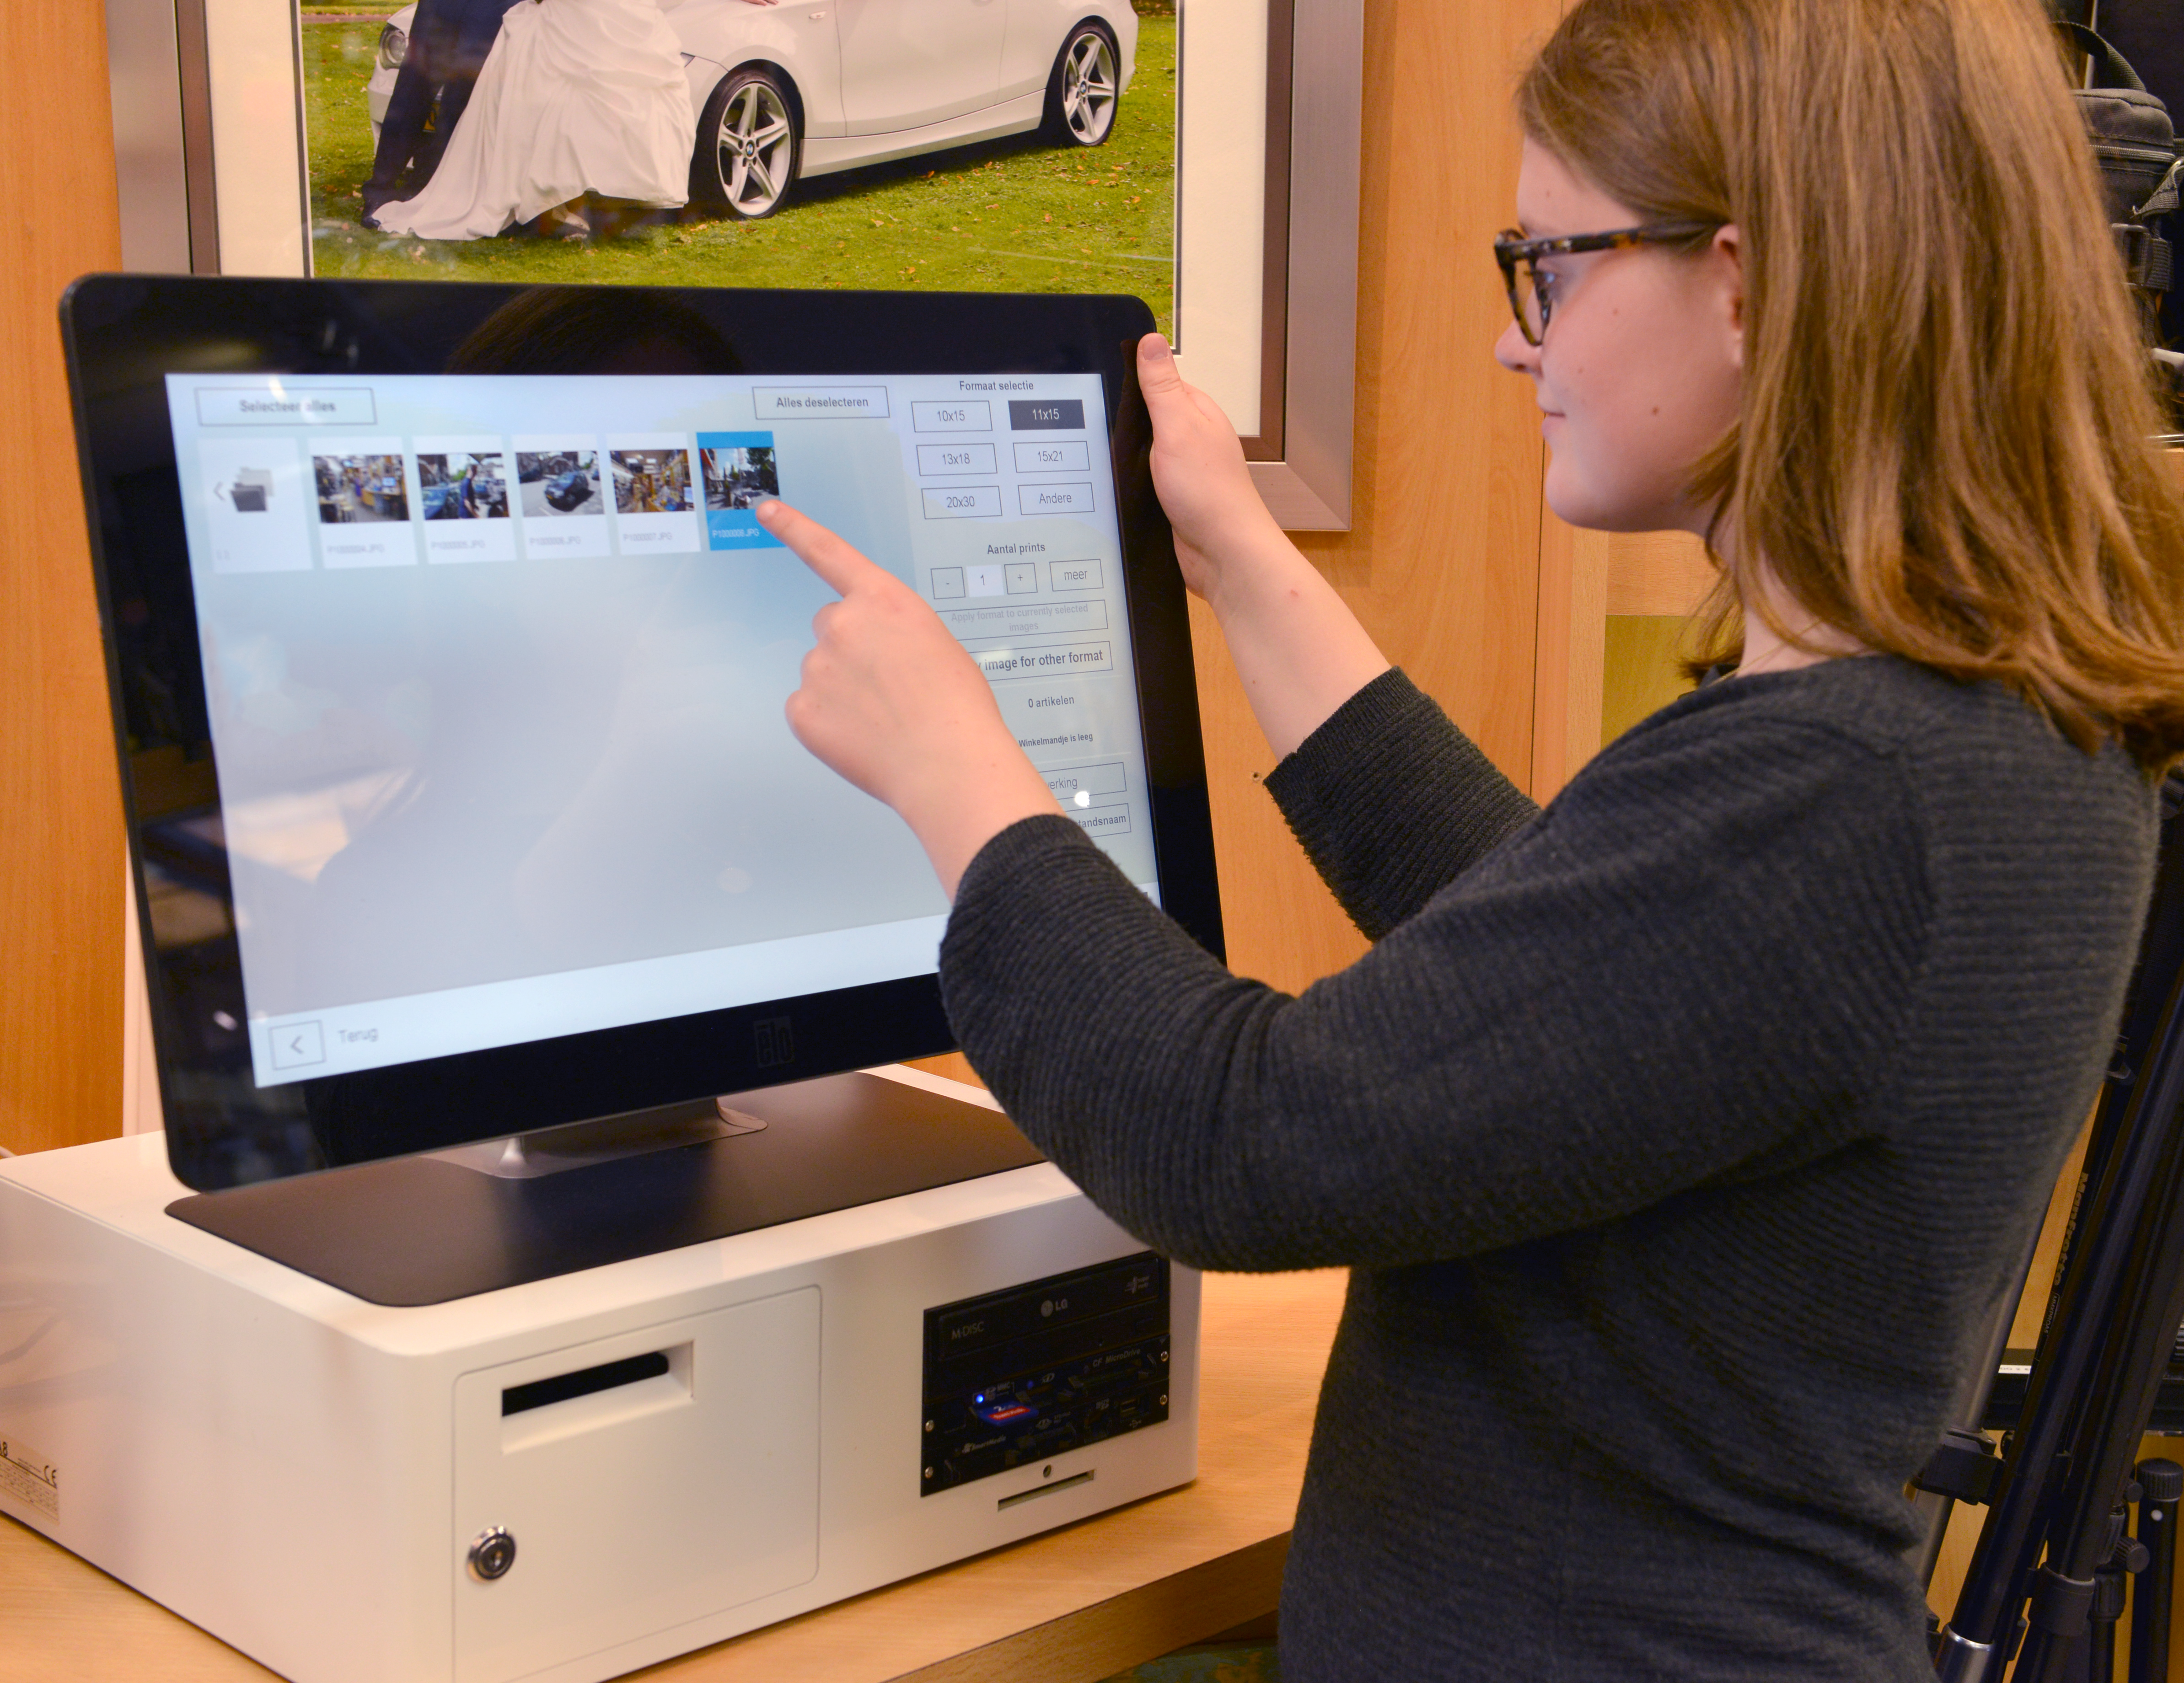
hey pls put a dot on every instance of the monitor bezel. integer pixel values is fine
(123, 333)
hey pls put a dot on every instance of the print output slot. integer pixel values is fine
(584, 1382)
(1033, 1495)
(596, 1398)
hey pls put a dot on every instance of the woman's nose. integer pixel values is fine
(1515, 352)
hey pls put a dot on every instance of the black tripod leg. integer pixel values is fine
(2109, 1594)
(2119, 1400)
(2161, 1486)
(2142, 1167)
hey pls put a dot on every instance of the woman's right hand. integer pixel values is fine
(1298, 648)
(1199, 471)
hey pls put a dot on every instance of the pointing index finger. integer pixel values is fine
(831, 557)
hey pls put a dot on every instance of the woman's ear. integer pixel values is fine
(1726, 254)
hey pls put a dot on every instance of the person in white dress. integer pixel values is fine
(577, 97)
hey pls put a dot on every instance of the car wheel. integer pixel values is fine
(1080, 94)
(748, 146)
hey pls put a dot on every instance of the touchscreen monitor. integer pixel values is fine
(454, 598)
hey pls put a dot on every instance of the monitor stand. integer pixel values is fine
(429, 1229)
(580, 1144)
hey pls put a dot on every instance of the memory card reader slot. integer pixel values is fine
(1032, 1495)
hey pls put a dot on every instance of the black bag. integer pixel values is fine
(2134, 142)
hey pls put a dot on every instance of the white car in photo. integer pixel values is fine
(785, 90)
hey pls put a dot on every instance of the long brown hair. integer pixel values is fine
(1945, 444)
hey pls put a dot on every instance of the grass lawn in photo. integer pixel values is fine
(1002, 215)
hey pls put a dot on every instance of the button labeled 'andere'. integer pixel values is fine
(1055, 499)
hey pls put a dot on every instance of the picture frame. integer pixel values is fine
(211, 149)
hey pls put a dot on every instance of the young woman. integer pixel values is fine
(1681, 1136)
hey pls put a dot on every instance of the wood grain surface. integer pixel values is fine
(1567, 681)
(1442, 560)
(61, 818)
(1069, 1607)
(1656, 572)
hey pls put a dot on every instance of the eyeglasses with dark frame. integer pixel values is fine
(1533, 305)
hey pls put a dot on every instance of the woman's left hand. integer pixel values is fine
(891, 700)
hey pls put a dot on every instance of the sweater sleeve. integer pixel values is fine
(1392, 802)
(1689, 971)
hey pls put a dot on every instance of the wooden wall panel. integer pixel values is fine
(1566, 678)
(1656, 572)
(60, 821)
(1585, 578)
(1442, 560)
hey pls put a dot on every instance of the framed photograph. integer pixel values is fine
(1203, 156)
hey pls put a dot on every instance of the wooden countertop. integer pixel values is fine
(1069, 1607)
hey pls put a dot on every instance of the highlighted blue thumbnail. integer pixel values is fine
(740, 474)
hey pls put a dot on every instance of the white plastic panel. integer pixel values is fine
(726, 1445)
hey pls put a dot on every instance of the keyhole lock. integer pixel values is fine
(492, 1554)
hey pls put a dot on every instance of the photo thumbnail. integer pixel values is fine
(560, 482)
(740, 472)
(739, 476)
(651, 481)
(462, 485)
(360, 489)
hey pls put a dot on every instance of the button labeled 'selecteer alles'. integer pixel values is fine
(297, 1043)
(1075, 575)
(1055, 499)
(965, 502)
(974, 416)
(278, 403)
(1055, 415)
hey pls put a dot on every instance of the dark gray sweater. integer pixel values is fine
(1679, 1137)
